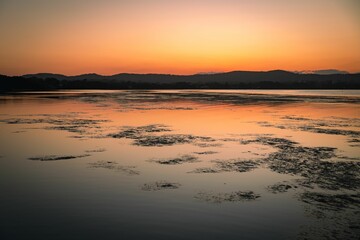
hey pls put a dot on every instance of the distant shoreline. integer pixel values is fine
(277, 79)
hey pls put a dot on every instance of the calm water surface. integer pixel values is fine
(180, 165)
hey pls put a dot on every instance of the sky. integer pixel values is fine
(178, 37)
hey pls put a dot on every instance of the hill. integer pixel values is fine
(276, 79)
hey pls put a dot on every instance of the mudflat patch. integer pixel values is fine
(160, 185)
(237, 196)
(57, 157)
(110, 165)
(232, 165)
(147, 136)
(177, 160)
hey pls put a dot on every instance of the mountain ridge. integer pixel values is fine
(274, 79)
(237, 76)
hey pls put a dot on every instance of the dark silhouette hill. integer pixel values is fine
(45, 76)
(276, 79)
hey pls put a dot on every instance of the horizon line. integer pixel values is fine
(192, 74)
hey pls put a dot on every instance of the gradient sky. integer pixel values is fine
(177, 36)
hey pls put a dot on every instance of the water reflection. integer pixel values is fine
(180, 164)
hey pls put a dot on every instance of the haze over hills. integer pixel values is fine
(322, 72)
(276, 79)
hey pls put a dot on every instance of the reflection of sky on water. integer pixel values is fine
(73, 198)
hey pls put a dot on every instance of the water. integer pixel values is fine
(180, 164)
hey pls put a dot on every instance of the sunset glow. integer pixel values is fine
(179, 37)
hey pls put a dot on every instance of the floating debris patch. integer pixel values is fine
(233, 165)
(333, 202)
(178, 160)
(138, 132)
(332, 126)
(310, 163)
(61, 122)
(206, 170)
(237, 165)
(80, 126)
(350, 133)
(57, 157)
(160, 185)
(282, 187)
(161, 108)
(270, 141)
(22, 131)
(96, 150)
(164, 140)
(205, 144)
(336, 215)
(206, 152)
(22, 121)
(355, 142)
(170, 139)
(324, 122)
(237, 196)
(110, 165)
(146, 136)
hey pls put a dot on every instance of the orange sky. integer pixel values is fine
(178, 36)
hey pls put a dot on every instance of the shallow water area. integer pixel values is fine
(180, 164)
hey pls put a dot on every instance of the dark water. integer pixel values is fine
(180, 165)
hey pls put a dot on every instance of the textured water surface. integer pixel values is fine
(180, 165)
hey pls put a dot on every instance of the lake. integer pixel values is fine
(180, 164)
